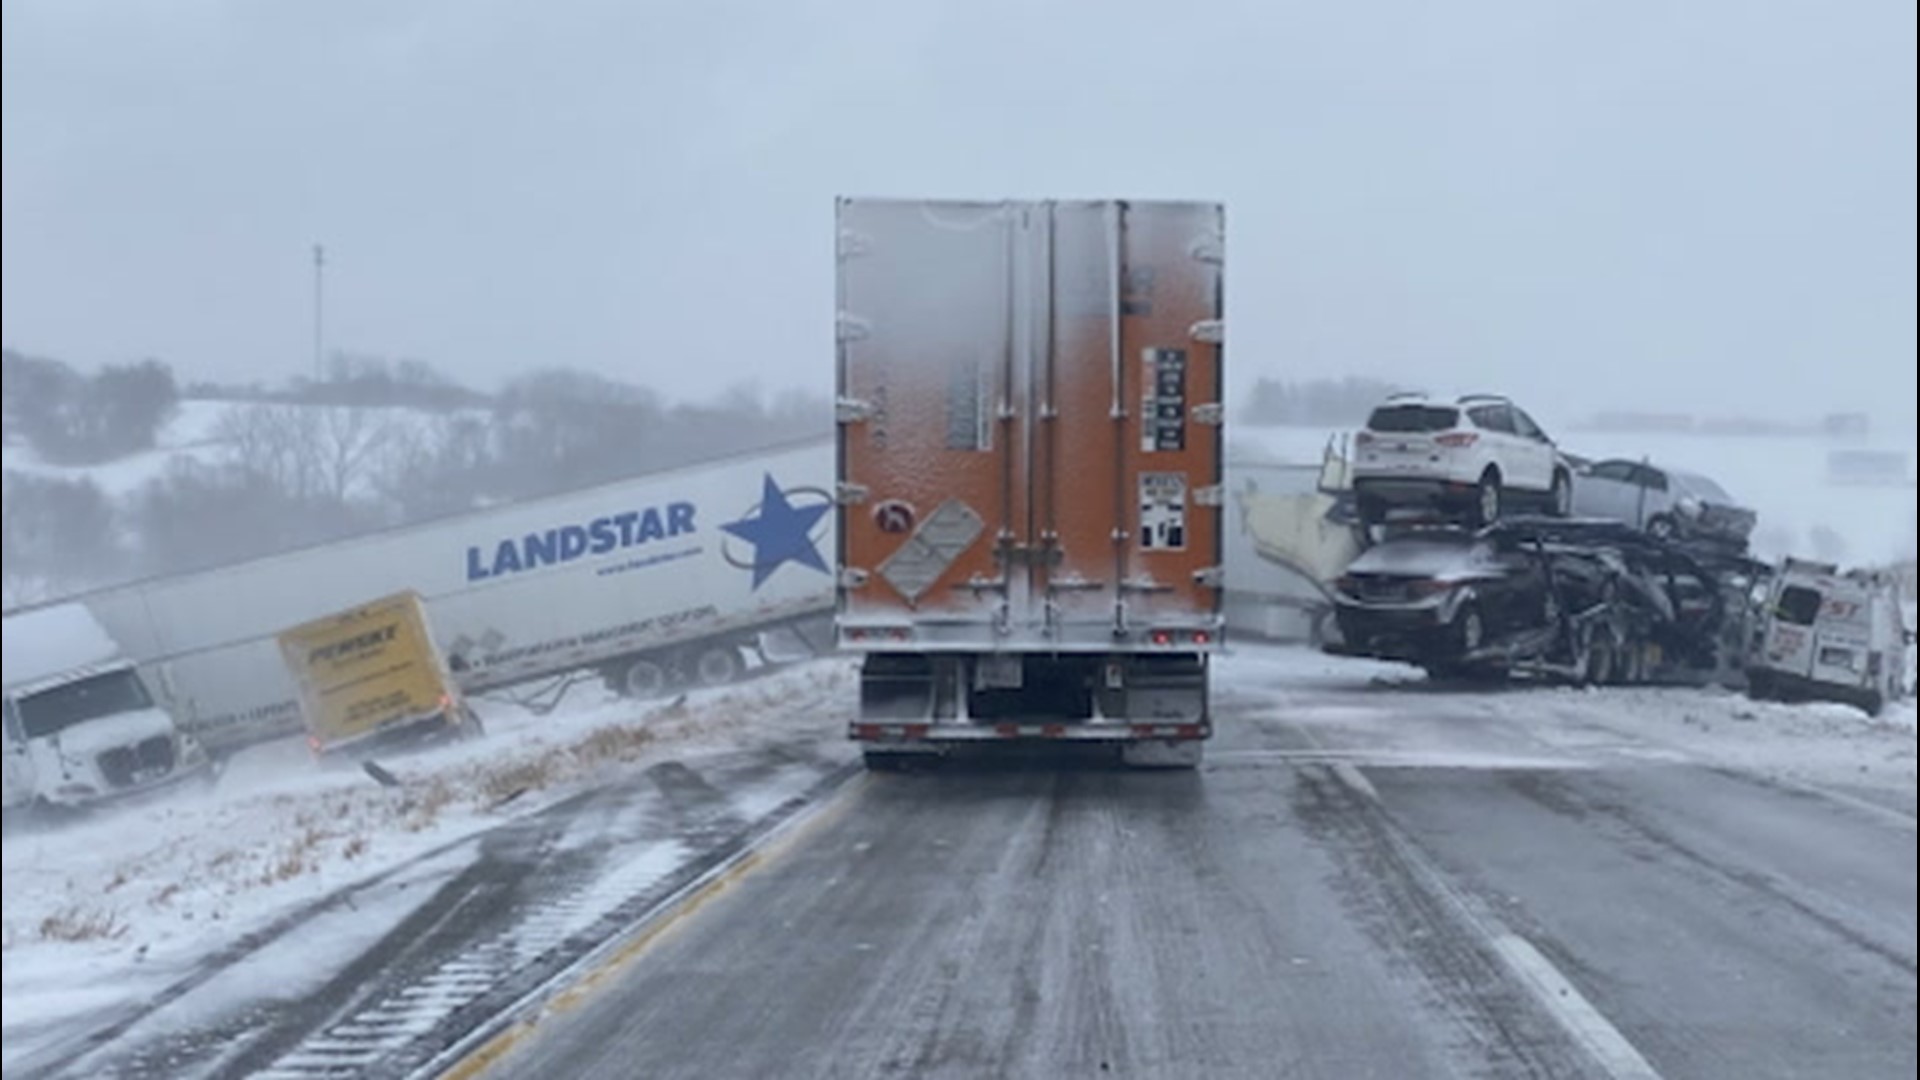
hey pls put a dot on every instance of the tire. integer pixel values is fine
(717, 665)
(1661, 527)
(1470, 630)
(1872, 702)
(1560, 495)
(645, 679)
(1488, 499)
(1599, 662)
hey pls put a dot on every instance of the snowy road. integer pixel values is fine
(1368, 880)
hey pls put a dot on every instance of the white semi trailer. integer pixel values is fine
(655, 581)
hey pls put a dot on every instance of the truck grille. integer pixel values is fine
(124, 766)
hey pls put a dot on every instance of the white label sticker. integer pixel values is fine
(1163, 511)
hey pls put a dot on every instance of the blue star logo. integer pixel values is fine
(780, 532)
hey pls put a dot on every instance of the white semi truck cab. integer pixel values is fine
(81, 726)
(1829, 635)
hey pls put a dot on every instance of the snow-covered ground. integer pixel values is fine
(1783, 478)
(1386, 709)
(190, 432)
(108, 910)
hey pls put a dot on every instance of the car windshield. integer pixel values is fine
(1413, 418)
(50, 712)
(1702, 487)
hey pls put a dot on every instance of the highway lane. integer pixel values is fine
(1359, 884)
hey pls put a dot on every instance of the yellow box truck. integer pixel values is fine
(372, 674)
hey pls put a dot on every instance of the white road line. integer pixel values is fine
(1574, 1012)
(1561, 1000)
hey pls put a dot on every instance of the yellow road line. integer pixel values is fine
(581, 988)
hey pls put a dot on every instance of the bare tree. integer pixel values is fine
(308, 452)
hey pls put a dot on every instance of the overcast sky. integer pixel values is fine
(1586, 204)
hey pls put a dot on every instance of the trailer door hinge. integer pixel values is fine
(1209, 331)
(852, 410)
(1210, 413)
(1212, 577)
(850, 494)
(1210, 495)
(851, 327)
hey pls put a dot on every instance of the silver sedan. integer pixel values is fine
(1664, 502)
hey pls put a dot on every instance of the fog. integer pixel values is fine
(1591, 205)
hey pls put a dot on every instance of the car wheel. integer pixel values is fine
(1486, 504)
(1562, 495)
(1472, 632)
(1660, 527)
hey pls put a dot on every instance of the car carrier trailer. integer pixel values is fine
(1575, 600)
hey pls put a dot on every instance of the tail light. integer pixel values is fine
(1363, 438)
(1456, 439)
(856, 634)
(1201, 637)
(1347, 584)
(1161, 637)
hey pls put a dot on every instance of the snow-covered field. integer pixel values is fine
(108, 910)
(190, 432)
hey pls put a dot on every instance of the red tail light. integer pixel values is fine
(1457, 439)
(1162, 637)
(1201, 637)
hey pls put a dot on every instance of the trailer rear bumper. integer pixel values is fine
(909, 733)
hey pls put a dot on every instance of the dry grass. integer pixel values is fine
(422, 810)
(75, 924)
(354, 848)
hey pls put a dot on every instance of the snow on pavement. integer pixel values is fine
(107, 910)
(1391, 712)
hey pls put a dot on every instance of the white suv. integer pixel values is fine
(1481, 454)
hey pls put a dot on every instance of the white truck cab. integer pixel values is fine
(1824, 634)
(81, 726)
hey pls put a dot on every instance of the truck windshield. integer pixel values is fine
(51, 711)
(1409, 418)
(1798, 605)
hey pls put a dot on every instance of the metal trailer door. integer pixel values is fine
(1029, 441)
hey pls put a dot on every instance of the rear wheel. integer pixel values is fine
(1487, 499)
(718, 665)
(644, 678)
(1561, 501)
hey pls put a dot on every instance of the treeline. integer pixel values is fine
(374, 446)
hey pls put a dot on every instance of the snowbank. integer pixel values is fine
(104, 911)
